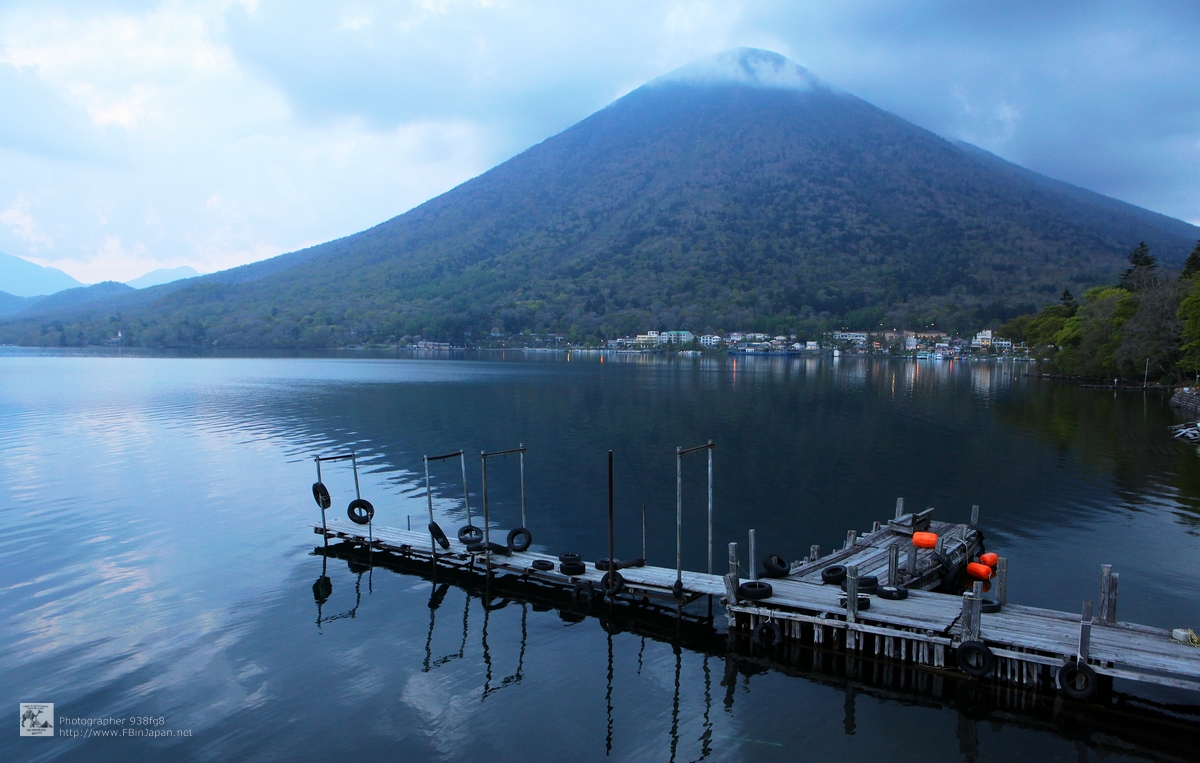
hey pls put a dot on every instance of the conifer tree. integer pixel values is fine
(1192, 265)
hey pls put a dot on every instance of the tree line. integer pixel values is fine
(1147, 325)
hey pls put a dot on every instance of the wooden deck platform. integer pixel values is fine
(1029, 643)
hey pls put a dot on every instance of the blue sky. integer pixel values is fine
(137, 135)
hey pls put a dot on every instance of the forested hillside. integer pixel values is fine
(753, 197)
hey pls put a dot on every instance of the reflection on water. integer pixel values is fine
(158, 558)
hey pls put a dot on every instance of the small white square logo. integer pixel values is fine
(37, 719)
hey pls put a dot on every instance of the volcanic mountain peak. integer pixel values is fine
(751, 67)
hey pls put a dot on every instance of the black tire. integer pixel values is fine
(677, 589)
(833, 574)
(639, 562)
(864, 602)
(603, 565)
(468, 534)
(360, 511)
(476, 548)
(569, 557)
(545, 565)
(571, 569)
(439, 536)
(612, 587)
(893, 592)
(776, 566)
(321, 496)
(990, 605)
(768, 634)
(974, 658)
(755, 590)
(1078, 680)
(497, 548)
(583, 593)
(866, 584)
(519, 539)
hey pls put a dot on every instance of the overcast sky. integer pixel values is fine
(137, 135)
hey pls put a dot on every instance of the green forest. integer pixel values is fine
(1144, 327)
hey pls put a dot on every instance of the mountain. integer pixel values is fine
(23, 278)
(10, 303)
(162, 275)
(738, 192)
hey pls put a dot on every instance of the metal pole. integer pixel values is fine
(324, 526)
(643, 532)
(612, 562)
(751, 562)
(462, 461)
(678, 514)
(487, 536)
(710, 506)
(429, 498)
(354, 463)
(521, 445)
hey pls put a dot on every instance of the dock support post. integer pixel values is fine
(851, 538)
(1002, 580)
(910, 566)
(1085, 632)
(893, 564)
(971, 609)
(1108, 595)
(899, 507)
(731, 580)
(814, 552)
(710, 507)
(851, 596)
(975, 515)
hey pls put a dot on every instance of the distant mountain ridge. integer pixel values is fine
(163, 275)
(734, 193)
(22, 278)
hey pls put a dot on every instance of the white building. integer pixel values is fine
(676, 337)
(711, 340)
(857, 337)
(983, 339)
(1002, 344)
(650, 337)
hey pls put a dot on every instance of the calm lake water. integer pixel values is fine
(158, 554)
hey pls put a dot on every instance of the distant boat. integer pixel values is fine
(922, 355)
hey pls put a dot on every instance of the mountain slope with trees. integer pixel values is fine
(735, 193)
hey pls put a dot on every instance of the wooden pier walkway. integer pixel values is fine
(1028, 645)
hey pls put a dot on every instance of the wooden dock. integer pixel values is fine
(1028, 645)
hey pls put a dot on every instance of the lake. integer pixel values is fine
(158, 559)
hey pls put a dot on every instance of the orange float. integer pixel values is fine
(979, 571)
(925, 540)
(990, 559)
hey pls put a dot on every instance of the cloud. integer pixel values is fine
(18, 219)
(215, 132)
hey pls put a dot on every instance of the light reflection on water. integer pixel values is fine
(158, 560)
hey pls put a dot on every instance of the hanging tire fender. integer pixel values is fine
(768, 633)
(974, 658)
(519, 539)
(321, 495)
(776, 566)
(1078, 680)
(360, 511)
(439, 536)
(755, 590)
(468, 534)
(612, 584)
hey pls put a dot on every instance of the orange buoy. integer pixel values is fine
(990, 559)
(925, 540)
(979, 571)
